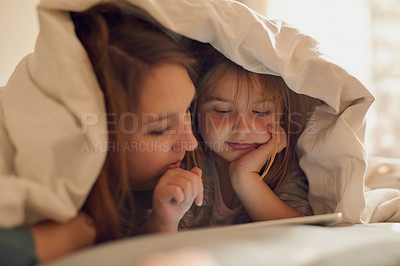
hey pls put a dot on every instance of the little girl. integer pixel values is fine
(246, 146)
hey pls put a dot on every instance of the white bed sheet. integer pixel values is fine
(362, 244)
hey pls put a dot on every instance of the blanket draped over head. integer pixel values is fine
(53, 129)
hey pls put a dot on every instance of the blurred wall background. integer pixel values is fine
(18, 30)
(363, 36)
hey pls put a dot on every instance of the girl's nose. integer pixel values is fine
(241, 125)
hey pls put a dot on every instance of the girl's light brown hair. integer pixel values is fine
(122, 48)
(212, 68)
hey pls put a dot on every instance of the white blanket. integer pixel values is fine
(382, 186)
(53, 135)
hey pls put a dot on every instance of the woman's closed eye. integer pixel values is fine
(158, 132)
(261, 113)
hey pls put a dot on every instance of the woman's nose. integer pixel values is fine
(187, 141)
(191, 142)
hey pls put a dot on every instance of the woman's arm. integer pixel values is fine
(54, 240)
(17, 247)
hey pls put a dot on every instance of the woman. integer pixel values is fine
(144, 75)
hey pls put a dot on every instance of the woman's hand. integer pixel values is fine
(173, 195)
(247, 167)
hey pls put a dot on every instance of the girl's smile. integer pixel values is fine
(241, 145)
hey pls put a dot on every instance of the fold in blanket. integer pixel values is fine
(51, 123)
(382, 185)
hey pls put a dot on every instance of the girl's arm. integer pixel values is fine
(294, 191)
(256, 196)
(53, 240)
(260, 202)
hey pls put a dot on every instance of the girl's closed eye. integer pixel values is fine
(222, 111)
(261, 113)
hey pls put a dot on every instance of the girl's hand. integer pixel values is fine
(173, 195)
(260, 202)
(248, 166)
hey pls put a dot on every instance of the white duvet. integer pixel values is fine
(53, 134)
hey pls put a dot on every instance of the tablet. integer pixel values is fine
(321, 220)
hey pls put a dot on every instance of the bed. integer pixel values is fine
(325, 240)
(253, 244)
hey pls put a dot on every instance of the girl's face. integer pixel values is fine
(164, 130)
(232, 126)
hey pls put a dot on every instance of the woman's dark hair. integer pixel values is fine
(122, 47)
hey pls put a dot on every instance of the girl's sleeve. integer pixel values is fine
(294, 192)
(17, 247)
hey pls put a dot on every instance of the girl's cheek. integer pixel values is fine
(263, 127)
(263, 132)
(216, 124)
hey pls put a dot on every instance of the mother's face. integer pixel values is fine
(164, 130)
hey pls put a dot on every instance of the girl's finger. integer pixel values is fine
(282, 139)
(267, 149)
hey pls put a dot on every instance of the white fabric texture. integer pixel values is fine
(382, 186)
(50, 147)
